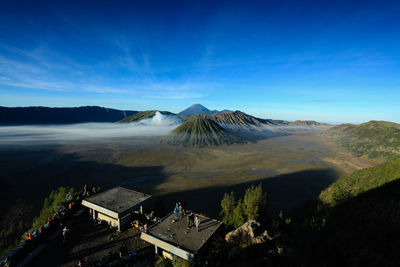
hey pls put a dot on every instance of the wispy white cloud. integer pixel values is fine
(40, 71)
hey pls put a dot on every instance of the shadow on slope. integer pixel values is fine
(361, 231)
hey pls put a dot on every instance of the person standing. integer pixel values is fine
(197, 222)
(65, 233)
(180, 210)
(188, 221)
(81, 263)
(84, 191)
(151, 216)
(176, 209)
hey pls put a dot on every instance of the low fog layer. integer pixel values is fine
(158, 125)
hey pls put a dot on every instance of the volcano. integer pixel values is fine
(201, 132)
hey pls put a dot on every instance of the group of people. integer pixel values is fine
(180, 211)
(56, 221)
(6, 262)
(88, 193)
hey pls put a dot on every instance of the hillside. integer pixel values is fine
(377, 140)
(357, 224)
(361, 181)
(254, 129)
(201, 132)
(141, 115)
(46, 115)
(237, 120)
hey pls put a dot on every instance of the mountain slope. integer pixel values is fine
(378, 140)
(141, 115)
(41, 115)
(239, 120)
(258, 128)
(357, 224)
(361, 181)
(253, 128)
(201, 132)
(196, 109)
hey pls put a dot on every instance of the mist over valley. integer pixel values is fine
(139, 154)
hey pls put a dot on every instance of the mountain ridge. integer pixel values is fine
(48, 115)
(238, 120)
(376, 140)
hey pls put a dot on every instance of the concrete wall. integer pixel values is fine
(112, 221)
(125, 221)
(160, 244)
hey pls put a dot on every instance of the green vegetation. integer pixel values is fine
(141, 115)
(176, 262)
(201, 132)
(376, 140)
(355, 223)
(360, 182)
(252, 207)
(162, 262)
(243, 252)
(16, 222)
(56, 200)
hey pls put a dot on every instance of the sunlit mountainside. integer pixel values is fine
(377, 140)
(201, 132)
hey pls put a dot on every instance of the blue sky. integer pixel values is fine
(335, 61)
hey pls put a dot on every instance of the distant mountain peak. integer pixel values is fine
(197, 105)
(196, 109)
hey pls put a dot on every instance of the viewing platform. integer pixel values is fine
(171, 236)
(115, 206)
